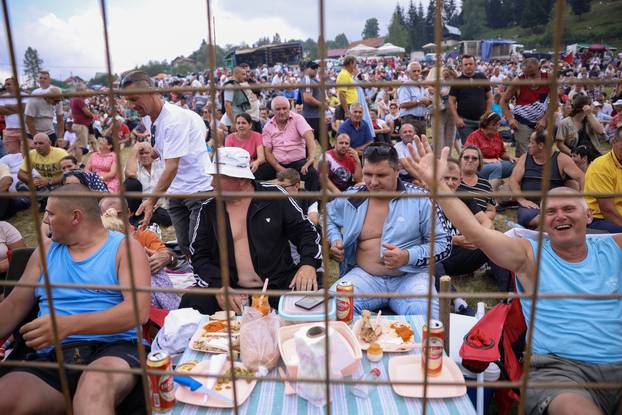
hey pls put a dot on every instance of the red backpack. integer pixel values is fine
(498, 337)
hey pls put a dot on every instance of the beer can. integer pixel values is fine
(161, 386)
(345, 305)
(436, 332)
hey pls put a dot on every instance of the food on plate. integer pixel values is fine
(403, 330)
(187, 366)
(220, 326)
(374, 352)
(215, 344)
(222, 315)
(369, 331)
(225, 382)
(261, 304)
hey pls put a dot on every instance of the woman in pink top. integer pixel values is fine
(104, 163)
(247, 139)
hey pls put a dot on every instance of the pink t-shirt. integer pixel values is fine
(250, 144)
(101, 164)
(288, 145)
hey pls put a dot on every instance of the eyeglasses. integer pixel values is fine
(473, 158)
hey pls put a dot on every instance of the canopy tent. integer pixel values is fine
(362, 50)
(429, 46)
(389, 49)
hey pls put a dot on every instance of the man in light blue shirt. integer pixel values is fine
(575, 340)
(414, 100)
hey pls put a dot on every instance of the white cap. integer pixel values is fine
(597, 104)
(618, 102)
(232, 162)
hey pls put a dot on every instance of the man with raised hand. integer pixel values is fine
(575, 340)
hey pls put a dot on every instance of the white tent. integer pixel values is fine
(362, 50)
(389, 49)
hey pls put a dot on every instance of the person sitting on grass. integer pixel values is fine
(564, 329)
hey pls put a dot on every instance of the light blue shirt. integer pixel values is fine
(99, 269)
(411, 93)
(587, 330)
(408, 225)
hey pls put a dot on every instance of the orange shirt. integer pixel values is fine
(149, 240)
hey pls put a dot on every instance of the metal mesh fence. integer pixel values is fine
(323, 196)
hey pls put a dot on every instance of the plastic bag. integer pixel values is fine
(259, 348)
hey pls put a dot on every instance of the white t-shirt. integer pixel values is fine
(70, 136)
(14, 161)
(11, 121)
(8, 235)
(181, 133)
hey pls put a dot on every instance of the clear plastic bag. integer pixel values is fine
(259, 348)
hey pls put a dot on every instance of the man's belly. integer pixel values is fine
(368, 258)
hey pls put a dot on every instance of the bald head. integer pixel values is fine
(42, 143)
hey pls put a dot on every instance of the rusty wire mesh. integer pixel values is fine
(322, 195)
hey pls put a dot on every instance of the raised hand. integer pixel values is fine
(421, 161)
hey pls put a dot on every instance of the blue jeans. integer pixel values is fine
(408, 283)
(605, 225)
(500, 170)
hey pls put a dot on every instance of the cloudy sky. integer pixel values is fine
(68, 34)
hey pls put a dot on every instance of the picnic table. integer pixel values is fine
(269, 397)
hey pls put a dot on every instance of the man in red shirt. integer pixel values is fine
(82, 119)
(344, 166)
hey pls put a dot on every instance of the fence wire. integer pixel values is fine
(324, 197)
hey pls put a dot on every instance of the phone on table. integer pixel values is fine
(309, 303)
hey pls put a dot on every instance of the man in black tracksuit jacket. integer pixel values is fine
(270, 225)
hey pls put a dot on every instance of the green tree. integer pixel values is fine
(580, 7)
(153, 68)
(450, 12)
(341, 41)
(32, 65)
(262, 41)
(414, 25)
(430, 21)
(276, 38)
(473, 15)
(310, 48)
(534, 13)
(495, 14)
(398, 34)
(371, 28)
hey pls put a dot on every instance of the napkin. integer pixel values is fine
(179, 326)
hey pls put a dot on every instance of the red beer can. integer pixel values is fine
(161, 386)
(436, 332)
(345, 305)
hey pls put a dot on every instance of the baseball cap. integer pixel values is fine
(312, 65)
(618, 102)
(232, 162)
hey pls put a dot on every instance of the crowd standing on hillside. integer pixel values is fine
(497, 133)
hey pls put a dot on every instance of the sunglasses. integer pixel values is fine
(379, 149)
(470, 158)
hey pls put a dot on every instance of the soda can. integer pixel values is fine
(345, 305)
(161, 387)
(436, 332)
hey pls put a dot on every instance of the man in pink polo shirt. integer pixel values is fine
(289, 143)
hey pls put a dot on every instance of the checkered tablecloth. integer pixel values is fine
(270, 398)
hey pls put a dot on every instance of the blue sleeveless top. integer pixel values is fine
(583, 329)
(98, 269)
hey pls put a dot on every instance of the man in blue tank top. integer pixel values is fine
(575, 340)
(96, 327)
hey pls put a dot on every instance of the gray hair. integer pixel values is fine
(278, 99)
(355, 105)
(572, 193)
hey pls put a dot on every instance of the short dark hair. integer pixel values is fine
(585, 151)
(245, 116)
(539, 136)
(465, 56)
(378, 152)
(348, 60)
(70, 158)
(291, 175)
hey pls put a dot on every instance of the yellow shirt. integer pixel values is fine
(604, 176)
(345, 77)
(333, 101)
(47, 166)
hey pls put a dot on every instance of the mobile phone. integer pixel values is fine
(309, 303)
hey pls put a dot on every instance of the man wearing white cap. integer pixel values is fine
(258, 234)
(616, 121)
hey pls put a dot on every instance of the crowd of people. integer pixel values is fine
(380, 139)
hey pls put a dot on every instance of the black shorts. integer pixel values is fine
(83, 353)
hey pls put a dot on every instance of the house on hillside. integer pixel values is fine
(181, 60)
(74, 81)
(372, 42)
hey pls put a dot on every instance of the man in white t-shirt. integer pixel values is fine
(178, 136)
(41, 112)
(8, 108)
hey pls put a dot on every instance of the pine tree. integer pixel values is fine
(430, 21)
(473, 15)
(450, 12)
(398, 35)
(276, 38)
(413, 24)
(32, 65)
(580, 7)
(371, 29)
(534, 13)
(495, 16)
(341, 41)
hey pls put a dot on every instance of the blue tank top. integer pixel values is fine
(587, 330)
(100, 268)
